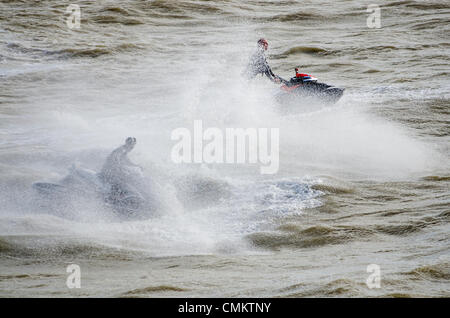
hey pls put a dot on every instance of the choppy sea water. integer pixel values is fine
(364, 181)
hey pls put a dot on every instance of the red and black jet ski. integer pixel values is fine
(307, 86)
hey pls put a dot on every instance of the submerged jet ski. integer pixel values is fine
(308, 87)
(120, 186)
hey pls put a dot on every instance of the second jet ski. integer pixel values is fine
(120, 185)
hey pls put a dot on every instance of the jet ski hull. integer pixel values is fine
(83, 184)
(306, 87)
(316, 91)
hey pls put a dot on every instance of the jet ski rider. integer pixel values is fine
(258, 63)
(118, 168)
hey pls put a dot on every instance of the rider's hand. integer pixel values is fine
(277, 80)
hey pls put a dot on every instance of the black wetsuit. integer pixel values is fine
(258, 65)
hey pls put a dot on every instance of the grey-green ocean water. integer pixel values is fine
(364, 181)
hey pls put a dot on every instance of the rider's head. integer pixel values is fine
(129, 143)
(262, 43)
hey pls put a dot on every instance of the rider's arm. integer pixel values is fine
(271, 75)
(268, 72)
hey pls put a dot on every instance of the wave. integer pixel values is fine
(96, 51)
(88, 52)
(49, 246)
(421, 5)
(139, 292)
(182, 7)
(306, 50)
(297, 236)
(26, 276)
(335, 189)
(338, 287)
(430, 24)
(436, 178)
(424, 5)
(352, 50)
(298, 16)
(398, 3)
(437, 271)
(5, 247)
(111, 19)
(400, 229)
